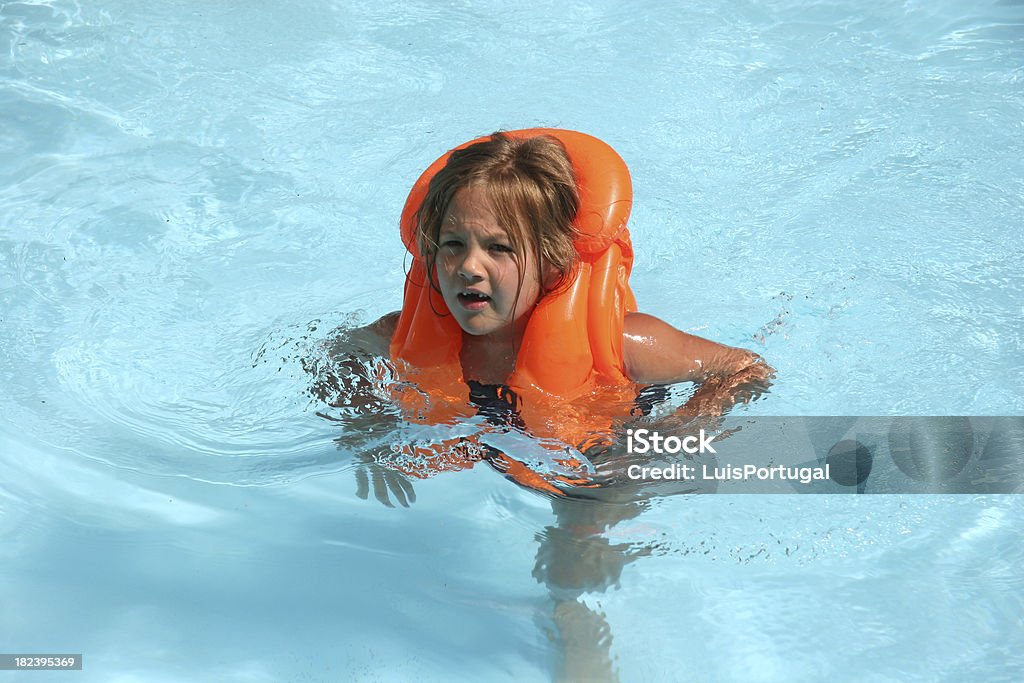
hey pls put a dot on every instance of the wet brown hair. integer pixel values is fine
(533, 193)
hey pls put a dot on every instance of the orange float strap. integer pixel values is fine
(573, 340)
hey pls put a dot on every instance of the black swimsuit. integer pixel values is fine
(499, 405)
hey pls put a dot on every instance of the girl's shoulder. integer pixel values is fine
(385, 325)
(381, 330)
(374, 338)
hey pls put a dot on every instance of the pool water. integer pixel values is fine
(195, 196)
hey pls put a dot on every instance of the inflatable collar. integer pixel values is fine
(573, 340)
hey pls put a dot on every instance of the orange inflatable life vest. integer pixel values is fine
(573, 340)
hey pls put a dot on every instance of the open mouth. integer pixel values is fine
(473, 301)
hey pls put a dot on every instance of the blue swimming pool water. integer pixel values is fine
(193, 195)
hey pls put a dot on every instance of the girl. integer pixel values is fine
(520, 280)
(519, 291)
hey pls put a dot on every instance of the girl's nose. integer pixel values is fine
(470, 269)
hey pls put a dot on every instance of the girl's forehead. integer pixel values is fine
(471, 208)
(472, 199)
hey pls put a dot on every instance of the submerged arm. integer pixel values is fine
(346, 379)
(657, 353)
(342, 377)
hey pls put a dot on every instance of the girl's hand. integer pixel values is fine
(719, 394)
(384, 480)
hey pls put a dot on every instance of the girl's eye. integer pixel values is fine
(451, 243)
(502, 248)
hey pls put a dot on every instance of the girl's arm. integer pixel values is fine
(657, 353)
(341, 377)
(345, 380)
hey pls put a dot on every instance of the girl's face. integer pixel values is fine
(478, 271)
